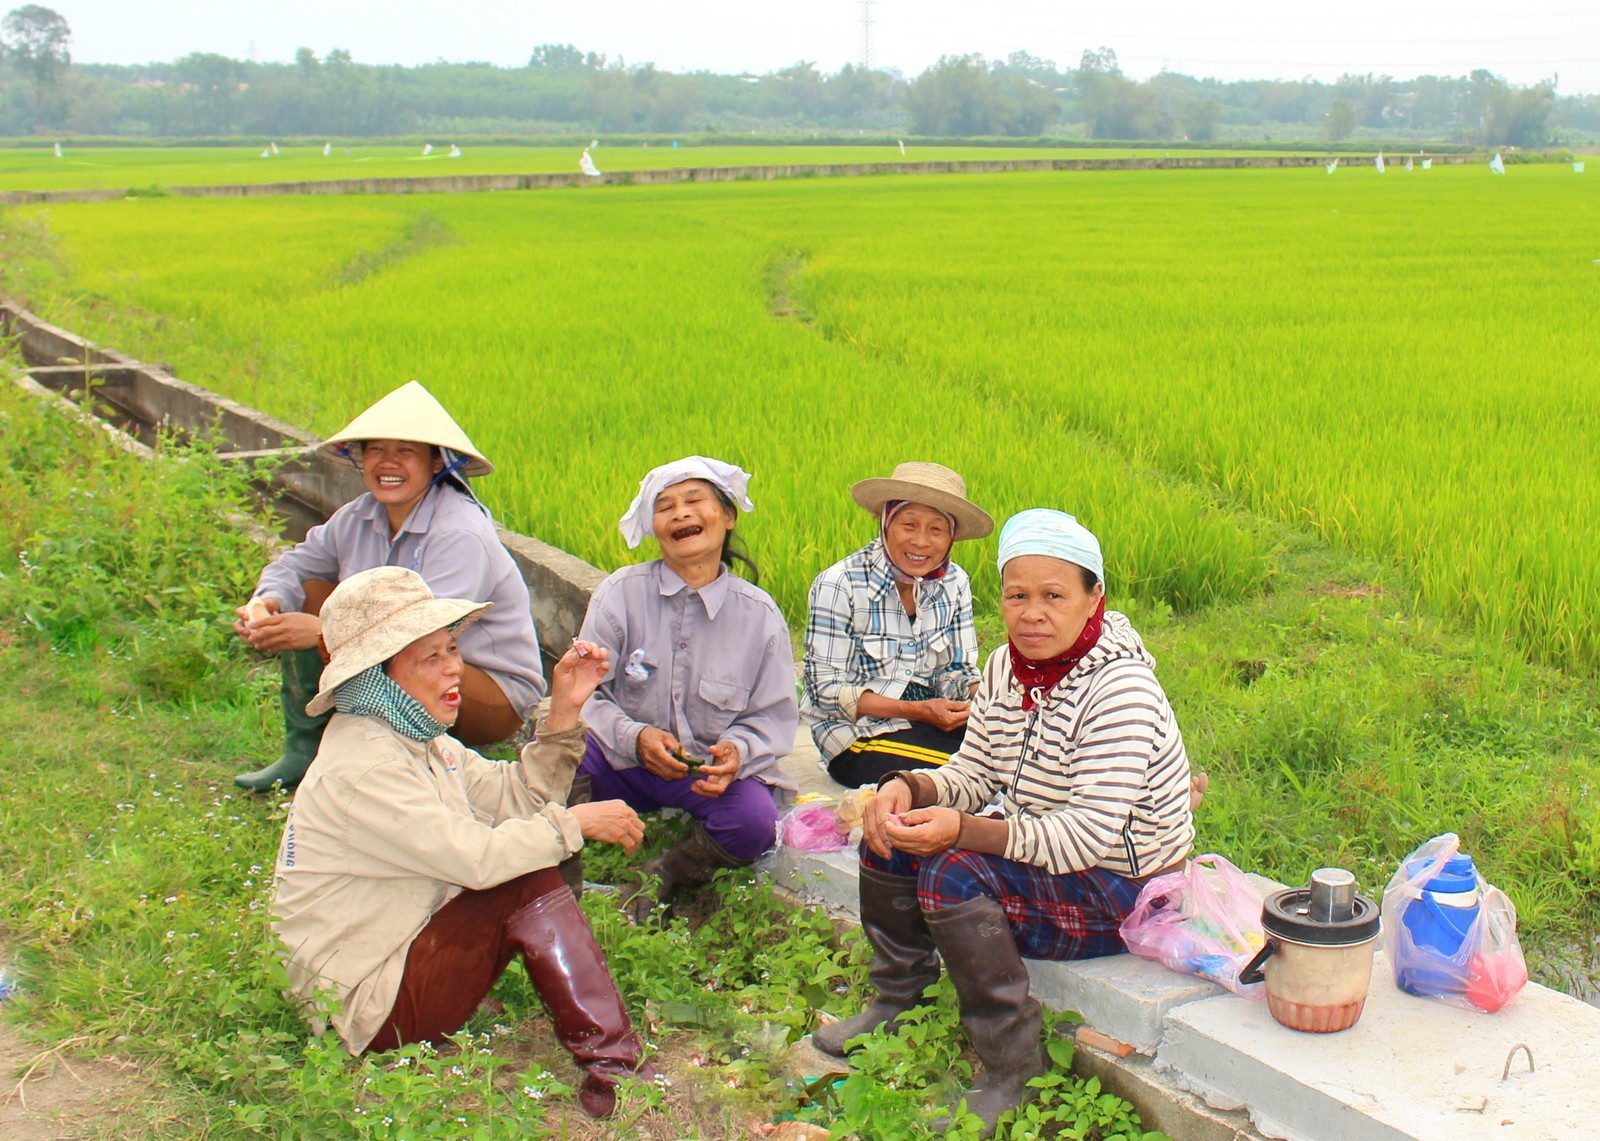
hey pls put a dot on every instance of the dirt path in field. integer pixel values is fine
(46, 1093)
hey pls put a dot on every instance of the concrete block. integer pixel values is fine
(826, 879)
(1162, 1104)
(1122, 996)
(1410, 1069)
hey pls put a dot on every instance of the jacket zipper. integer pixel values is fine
(1022, 754)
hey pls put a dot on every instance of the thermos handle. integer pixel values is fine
(1252, 969)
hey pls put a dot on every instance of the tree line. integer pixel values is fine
(563, 90)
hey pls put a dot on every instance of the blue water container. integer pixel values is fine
(1439, 921)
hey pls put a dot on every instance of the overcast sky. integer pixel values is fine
(1227, 39)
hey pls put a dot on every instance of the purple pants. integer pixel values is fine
(743, 820)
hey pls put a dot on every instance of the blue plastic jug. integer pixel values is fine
(1438, 921)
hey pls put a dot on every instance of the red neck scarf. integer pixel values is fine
(1045, 676)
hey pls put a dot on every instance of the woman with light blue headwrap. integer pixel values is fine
(700, 705)
(418, 512)
(1071, 789)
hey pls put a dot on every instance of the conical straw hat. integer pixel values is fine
(932, 484)
(410, 412)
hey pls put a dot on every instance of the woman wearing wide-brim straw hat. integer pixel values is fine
(891, 654)
(412, 870)
(418, 512)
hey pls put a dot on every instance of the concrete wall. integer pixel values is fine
(478, 183)
(305, 488)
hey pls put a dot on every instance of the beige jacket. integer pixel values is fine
(382, 833)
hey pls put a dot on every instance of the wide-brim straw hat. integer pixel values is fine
(370, 617)
(932, 484)
(410, 412)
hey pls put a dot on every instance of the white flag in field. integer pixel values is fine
(902, 143)
(1378, 162)
(1577, 167)
(274, 147)
(586, 164)
(1408, 166)
(267, 153)
(427, 149)
(1427, 164)
(455, 151)
(1333, 166)
(327, 149)
(1496, 165)
(58, 154)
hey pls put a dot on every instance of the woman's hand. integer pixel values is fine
(924, 831)
(945, 716)
(655, 753)
(892, 799)
(277, 633)
(610, 821)
(577, 675)
(720, 773)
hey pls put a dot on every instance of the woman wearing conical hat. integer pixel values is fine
(418, 512)
(891, 655)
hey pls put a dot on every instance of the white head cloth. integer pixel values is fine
(731, 479)
(1042, 531)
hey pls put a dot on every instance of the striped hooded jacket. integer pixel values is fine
(1094, 775)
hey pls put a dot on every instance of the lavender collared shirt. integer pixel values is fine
(451, 542)
(707, 665)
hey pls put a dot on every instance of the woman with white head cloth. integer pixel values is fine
(700, 702)
(1071, 789)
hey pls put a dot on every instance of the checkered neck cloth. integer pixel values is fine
(373, 693)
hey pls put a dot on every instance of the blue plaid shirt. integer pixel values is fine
(859, 638)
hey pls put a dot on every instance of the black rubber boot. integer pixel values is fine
(302, 733)
(1000, 1017)
(590, 1019)
(904, 962)
(690, 862)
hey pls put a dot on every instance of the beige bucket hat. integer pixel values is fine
(370, 617)
(932, 484)
(410, 412)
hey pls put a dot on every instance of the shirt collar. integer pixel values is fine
(879, 576)
(713, 594)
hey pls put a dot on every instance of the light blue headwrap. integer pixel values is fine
(1042, 531)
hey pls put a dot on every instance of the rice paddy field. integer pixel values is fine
(98, 168)
(1403, 365)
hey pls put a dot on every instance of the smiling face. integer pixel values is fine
(398, 472)
(690, 522)
(918, 539)
(430, 670)
(1044, 605)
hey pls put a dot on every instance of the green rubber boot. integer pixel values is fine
(302, 733)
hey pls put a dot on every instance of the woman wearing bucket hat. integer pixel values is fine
(701, 704)
(891, 656)
(418, 512)
(411, 869)
(1071, 789)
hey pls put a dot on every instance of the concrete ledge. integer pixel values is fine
(304, 488)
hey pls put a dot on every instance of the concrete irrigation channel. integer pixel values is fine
(1200, 1064)
(483, 183)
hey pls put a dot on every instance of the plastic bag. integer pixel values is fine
(1459, 947)
(814, 828)
(1204, 920)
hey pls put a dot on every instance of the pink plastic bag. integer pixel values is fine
(1450, 934)
(814, 828)
(1204, 920)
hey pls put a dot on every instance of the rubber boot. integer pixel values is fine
(590, 1018)
(1001, 1019)
(302, 733)
(904, 962)
(690, 862)
(571, 868)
